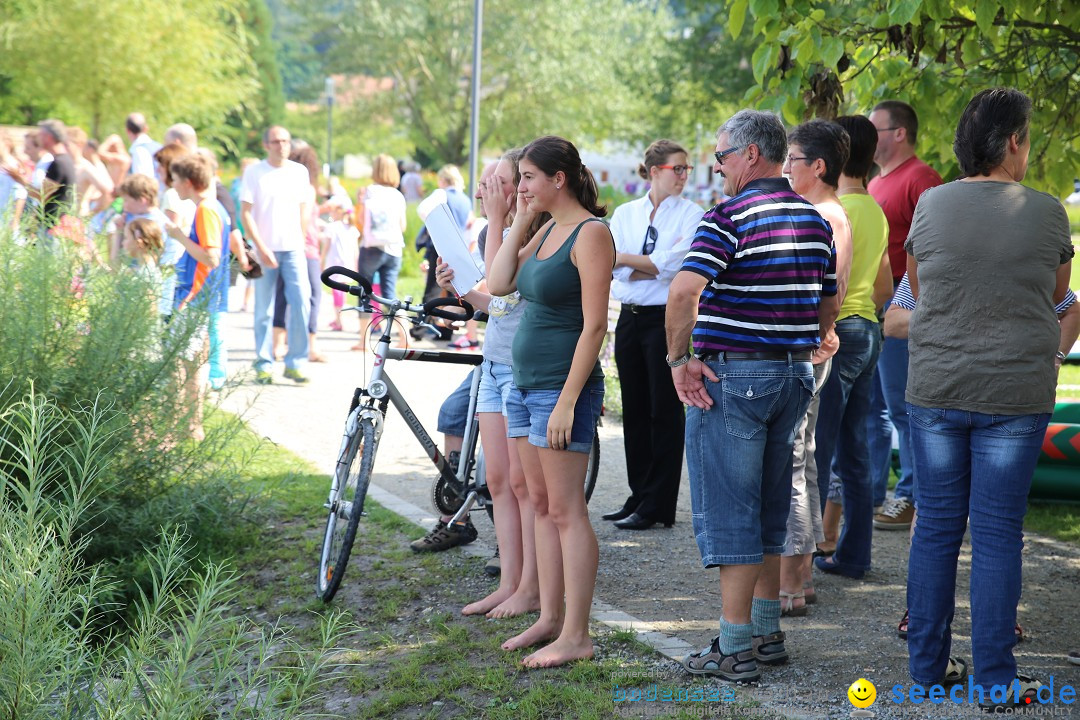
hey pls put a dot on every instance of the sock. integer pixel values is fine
(765, 615)
(734, 638)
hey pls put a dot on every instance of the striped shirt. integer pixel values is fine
(904, 299)
(769, 257)
(209, 230)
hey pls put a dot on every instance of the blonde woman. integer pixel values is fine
(383, 235)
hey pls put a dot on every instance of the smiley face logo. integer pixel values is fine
(862, 693)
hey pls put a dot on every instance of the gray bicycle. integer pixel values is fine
(458, 487)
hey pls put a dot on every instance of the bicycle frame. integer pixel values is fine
(381, 388)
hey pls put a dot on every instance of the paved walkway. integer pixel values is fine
(653, 581)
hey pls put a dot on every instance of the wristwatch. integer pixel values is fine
(1059, 355)
(678, 361)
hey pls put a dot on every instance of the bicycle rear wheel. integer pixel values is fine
(346, 506)
(593, 468)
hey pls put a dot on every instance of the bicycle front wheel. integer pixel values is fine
(346, 506)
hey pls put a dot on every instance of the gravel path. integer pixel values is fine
(656, 575)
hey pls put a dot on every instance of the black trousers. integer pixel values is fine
(654, 420)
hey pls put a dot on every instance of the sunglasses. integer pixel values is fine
(677, 169)
(650, 241)
(724, 153)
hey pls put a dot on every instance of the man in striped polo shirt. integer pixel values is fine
(760, 279)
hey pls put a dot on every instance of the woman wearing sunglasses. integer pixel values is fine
(652, 235)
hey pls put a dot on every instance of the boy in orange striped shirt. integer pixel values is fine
(202, 278)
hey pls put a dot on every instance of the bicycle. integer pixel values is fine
(457, 489)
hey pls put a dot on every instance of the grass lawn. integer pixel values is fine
(409, 653)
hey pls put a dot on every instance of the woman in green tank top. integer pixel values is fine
(564, 271)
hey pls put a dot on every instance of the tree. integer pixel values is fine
(819, 57)
(563, 66)
(100, 59)
(242, 129)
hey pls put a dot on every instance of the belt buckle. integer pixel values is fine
(635, 309)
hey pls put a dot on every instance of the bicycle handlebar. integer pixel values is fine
(431, 307)
(362, 290)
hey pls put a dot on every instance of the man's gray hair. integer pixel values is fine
(760, 128)
(183, 134)
(54, 128)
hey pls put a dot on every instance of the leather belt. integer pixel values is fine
(729, 355)
(642, 309)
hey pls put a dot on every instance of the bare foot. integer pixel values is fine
(197, 433)
(558, 653)
(516, 604)
(540, 631)
(316, 357)
(359, 347)
(481, 607)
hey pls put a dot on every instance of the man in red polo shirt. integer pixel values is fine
(903, 179)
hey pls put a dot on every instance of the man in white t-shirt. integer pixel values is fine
(275, 212)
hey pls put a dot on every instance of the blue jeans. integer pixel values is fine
(978, 466)
(879, 435)
(292, 266)
(892, 369)
(845, 405)
(454, 411)
(219, 353)
(374, 260)
(739, 455)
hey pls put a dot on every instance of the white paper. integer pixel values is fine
(453, 249)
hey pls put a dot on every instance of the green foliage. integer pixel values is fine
(820, 58)
(83, 336)
(209, 63)
(546, 68)
(241, 132)
(186, 654)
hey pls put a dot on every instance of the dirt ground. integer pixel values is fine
(656, 577)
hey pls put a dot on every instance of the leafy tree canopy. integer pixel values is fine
(823, 58)
(94, 61)
(562, 66)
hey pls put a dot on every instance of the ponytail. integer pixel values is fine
(553, 154)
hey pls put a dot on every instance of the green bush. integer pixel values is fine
(185, 656)
(83, 336)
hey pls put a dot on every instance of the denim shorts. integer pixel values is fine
(454, 412)
(496, 382)
(738, 454)
(527, 413)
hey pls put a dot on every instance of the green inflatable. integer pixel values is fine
(1057, 476)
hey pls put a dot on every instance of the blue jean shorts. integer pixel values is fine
(527, 413)
(738, 454)
(454, 412)
(496, 382)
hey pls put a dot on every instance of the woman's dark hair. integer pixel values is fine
(986, 124)
(863, 136)
(304, 154)
(656, 154)
(553, 154)
(825, 140)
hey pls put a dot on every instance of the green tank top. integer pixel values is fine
(551, 326)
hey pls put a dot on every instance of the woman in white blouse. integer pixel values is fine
(652, 235)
